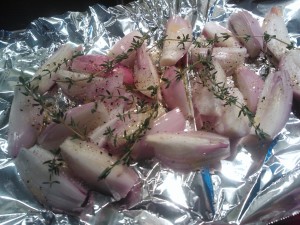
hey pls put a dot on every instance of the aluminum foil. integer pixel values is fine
(259, 184)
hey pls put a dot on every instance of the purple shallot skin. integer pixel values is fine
(90, 64)
(81, 90)
(94, 64)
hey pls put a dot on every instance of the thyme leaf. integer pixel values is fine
(109, 132)
(181, 41)
(267, 37)
(166, 81)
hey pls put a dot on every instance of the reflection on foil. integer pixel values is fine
(258, 183)
(235, 169)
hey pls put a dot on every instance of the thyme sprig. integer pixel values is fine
(134, 137)
(54, 166)
(220, 38)
(182, 40)
(266, 37)
(129, 99)
(131, 139)
(222, 92)
(219, 89)
(179, 76)
(57, 115)
(57, 66)
(136, 43)
(70, 81)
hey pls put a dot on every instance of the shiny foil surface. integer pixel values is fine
(258, 184)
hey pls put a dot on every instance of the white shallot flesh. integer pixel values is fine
(291, 62)
(232, 123)
(88, 162)
(60, 191)
(145, 75)
(212, 30)
(207, 108)
(123, 45)
(274, 104)
(177, 28)
(229, 58)
(25, 122)
(172, 121)
(45, 77)
(174, 92)
(274, 25)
